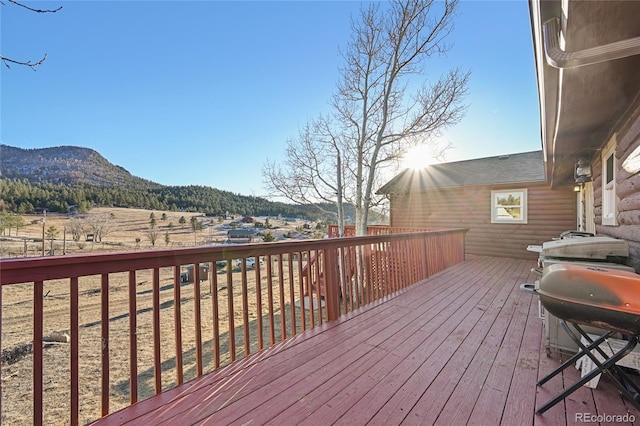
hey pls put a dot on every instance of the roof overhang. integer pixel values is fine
(588, 69)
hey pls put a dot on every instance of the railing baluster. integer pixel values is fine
(359, 259)
(310, 288)
(419, 256)
(198, 320)
(356, 278)
(230, 314)
(303, 319)
(75, 349)
(342, 273)
(157, 365)
(283, 310)
(272, 331)
(38, 305)
(320, 277)
(398, 273)
(177, 318)
(417, 252)
(345, 292)
(215, 313)
(356, 285)
(259, 305)
(245, 308)
(292, 297)
(366, 272)
(411, 262)
(380, 279)
(104, 293)
(133, 340)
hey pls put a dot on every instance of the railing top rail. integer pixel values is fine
(20, 270)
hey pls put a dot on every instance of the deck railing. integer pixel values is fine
(86, 335)
(350, 230)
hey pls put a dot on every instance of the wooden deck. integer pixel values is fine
(462, 347)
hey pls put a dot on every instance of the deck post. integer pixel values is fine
(332, 283)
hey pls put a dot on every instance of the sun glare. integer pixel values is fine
(418, 157)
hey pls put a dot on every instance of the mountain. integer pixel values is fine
(57, 178)
(66, 165)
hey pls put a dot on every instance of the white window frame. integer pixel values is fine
(495, 218)
(609, 197)
(590, 221)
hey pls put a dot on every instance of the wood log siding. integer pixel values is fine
(550, 212)
(627, 189)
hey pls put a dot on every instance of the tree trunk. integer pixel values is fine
(340, 201)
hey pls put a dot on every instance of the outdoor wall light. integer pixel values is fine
(582, 172)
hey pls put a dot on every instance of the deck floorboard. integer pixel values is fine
(462, 347)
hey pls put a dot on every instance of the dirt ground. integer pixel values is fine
(17, 321)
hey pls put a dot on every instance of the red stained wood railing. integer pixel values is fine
(148, 320)
(350, 230)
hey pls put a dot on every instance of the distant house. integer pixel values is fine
(240, 235)
(587, 57)
(504, 201)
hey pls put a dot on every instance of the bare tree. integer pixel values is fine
(375, 117)
(372, 103)
(100, 225)
(77, 228)
(152, 234)
(196, 226)
(307, 176)
(29, 64)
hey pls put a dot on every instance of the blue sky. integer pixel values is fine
(203, 92)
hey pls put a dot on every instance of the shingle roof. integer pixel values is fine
(525, 167)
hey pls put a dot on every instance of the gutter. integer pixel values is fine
(558, 58)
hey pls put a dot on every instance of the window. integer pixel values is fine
(509, 206)
(609, 183)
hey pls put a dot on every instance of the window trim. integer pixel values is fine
(609, 200)
(523, 206)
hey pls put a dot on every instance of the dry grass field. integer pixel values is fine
(128, 224)
(126, 229)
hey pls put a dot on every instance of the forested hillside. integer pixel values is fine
(60, 179)
(22, 196)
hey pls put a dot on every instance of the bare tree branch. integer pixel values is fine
(32, 9)
(29, 64)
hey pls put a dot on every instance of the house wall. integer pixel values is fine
(550, 212)
(627, 188)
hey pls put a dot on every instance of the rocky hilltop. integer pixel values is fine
(67, 165)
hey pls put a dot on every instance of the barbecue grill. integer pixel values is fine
(581, 247)
(593, 296)
(577, 248)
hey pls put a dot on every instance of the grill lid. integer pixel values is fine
(598, 247)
